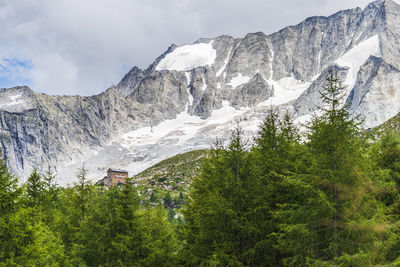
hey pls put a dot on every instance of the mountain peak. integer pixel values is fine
(130, 81)
(386, 4)
(391, 5)
(17, 99)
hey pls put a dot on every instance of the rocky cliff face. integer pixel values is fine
(194, 93)
(376, 94)
(41, 130)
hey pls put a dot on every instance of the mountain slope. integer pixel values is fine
(195, 93)
(177, 171)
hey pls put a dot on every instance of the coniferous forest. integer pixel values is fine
(324, 196)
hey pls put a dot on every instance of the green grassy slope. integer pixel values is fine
(176, 171)
(171, 176)
(374, 134)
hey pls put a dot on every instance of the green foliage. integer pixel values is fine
(218, 229)
(152, 197)
(158, 244)
(345, 210)
(12, 230)
(46, 249)
(284, 202)
(116, 232)
(83, 189)
(15, 234)
(50, 187)
(167, 199)
(9, 190)
(34, 189)
(387, 154)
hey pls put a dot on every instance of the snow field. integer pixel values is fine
(239, 80)
(188, 57)
(356, 57)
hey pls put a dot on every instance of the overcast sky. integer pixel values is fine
(85, 46)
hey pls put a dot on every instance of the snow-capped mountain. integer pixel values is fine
(193, 94)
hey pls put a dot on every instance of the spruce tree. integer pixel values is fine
(387, 154)
(45, 248)
(331, 215)
(167, 199)
(12, 234)
(156, 241)
(34, 189)
(277, 158)
(216, 228)
(126, 223)
(50, 186)
(82, 189)
(9, 190)
(333, 139)
(115, 232)
(152, 197)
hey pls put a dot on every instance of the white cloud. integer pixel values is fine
(83, 47)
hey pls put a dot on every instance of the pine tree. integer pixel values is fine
(93, 242)
(157, 241)
(267, 142)
(387, 154)
(216, 228)
(333, 139)
(50, 185)
(115, 232)
(167, 199)
(34, 189)
(277, 145)
(9, 190)
(384, 163)
(82, 189)
(45, 249)
(153, 197)
(277, 157)
(126, 224)
(11, 236)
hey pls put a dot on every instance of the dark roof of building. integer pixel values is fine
(116, 170)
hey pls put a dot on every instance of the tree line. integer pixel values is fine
(326, 197)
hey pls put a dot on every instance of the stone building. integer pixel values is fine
(114, 177)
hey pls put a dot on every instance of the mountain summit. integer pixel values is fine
(194, 93)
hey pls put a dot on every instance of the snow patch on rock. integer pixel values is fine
(15, 100)
(188, 57)
(271, 51)
(239, 80)
(285, 90)
(188, 76)
(225, 63)
(204, 86)
(356, 57)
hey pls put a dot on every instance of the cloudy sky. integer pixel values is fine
(83, 47)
